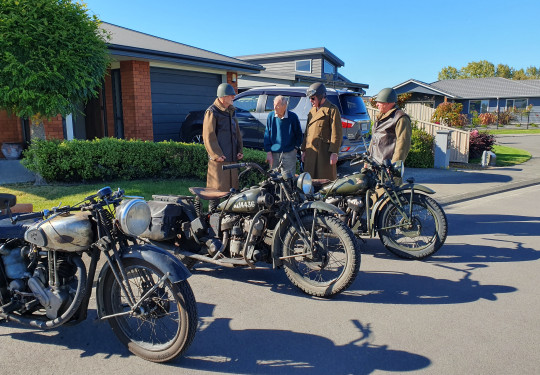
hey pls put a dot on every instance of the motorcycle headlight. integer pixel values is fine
(133, 216)
(305, 183)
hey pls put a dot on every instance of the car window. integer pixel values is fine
(293, 102)
(352, 105)
(334, 100)
(247, 103)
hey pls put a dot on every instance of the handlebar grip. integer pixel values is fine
(233, 166)
(28, 216)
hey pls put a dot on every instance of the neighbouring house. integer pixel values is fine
(482, 95)
(297, 68)
(151, 86)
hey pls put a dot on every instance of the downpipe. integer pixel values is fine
(177, 251)
(66, 316)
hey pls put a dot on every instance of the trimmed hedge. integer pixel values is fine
(109, 159)
(421, 153)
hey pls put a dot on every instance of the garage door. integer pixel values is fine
(174, 94)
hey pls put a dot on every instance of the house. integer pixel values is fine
(482, 95)
(297, 68)
(151, 86)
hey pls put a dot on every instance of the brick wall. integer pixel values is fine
(53, 128)
(136, 100)
(10, 129)
(109, 104)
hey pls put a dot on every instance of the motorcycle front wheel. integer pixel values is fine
(330, 265)
(164, 325)
(421, 237)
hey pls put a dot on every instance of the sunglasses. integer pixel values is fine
(312, 98)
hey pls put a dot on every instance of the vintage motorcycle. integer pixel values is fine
(409, 223)
(271, 222)
(142, 291)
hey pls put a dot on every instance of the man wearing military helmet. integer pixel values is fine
(222, 140)
(391, 132)
(323, 135)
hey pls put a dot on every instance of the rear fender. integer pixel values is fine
(419, 187)
(160, 258)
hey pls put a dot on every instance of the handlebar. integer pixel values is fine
(234, 166)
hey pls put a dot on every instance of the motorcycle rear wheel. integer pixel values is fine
(423, 238)
(166, 322)
(334, 265)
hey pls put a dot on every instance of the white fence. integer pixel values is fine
(459, 146)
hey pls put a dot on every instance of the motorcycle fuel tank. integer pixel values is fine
(355, 183)
(66, 232)
(243, 202)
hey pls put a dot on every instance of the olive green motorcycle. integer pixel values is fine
(409, 223)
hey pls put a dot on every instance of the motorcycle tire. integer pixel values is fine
(423, 238)
(165, 324)
(332, 267)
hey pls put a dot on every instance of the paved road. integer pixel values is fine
(471, 309)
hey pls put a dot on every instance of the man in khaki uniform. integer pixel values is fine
(323, 135)
(392, 130)
(222, 140)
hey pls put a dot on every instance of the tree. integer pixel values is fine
(520, 75)
(533, 72)
(53, 58)
(478, 69)
(448, 72)
(504, 71)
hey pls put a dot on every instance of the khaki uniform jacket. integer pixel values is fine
(215, 142)
(322, 137)
(391, 136)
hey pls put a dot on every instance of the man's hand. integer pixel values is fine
(221, 159)
(333, 158)
(269, 158)
(303, 156)
(239, 156)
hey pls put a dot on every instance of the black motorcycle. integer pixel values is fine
(272, 222)
(142, 291)
(409, 223)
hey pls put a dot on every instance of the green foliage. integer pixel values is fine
(401, 100)
(53, 57)
(475, 120)
(478, 69)
(505, 117)
(109, 159)
(449, 114)
(448, 72)
(483, 68)
(480, 142)
(504, 71)
(421, 152)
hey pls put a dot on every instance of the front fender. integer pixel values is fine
(160, 258)
(419, 187)
(321, 206)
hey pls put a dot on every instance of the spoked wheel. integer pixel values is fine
(418, 238)
(164, 325)
(332, 265)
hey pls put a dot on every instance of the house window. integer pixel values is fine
(517, 103)
(303, 66)
(480, 106)
(329, 68)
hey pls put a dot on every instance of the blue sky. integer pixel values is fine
(382, 43)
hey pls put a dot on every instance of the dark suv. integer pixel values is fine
(253, 106)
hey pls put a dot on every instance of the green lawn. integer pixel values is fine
(47, 196)
(513, 131)
(506, 156)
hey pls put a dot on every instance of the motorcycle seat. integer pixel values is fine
(208, 193)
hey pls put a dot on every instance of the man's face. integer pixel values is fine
(315, 102)
(385, 107)
(280, 108)
(227, 100)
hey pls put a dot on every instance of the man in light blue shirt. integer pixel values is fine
(282, 136)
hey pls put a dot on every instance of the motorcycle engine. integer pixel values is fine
(355, 203)
(28, 280)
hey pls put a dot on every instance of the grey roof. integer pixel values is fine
(300, 52)
(131, 43)
(480, 88)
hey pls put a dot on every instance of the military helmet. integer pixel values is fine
(387, 95)
(225, 89)
(317, 89)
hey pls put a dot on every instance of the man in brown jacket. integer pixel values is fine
(323, 135)
(392, 131)
(222, 139)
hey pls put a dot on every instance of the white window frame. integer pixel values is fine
(481, 102)
(514, 102)
(303, 71)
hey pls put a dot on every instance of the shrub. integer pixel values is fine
(421, 152)
(487, 118)
(506, 117)
(475, 120)
(480, 142)
(449, 114)
(111, 158)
